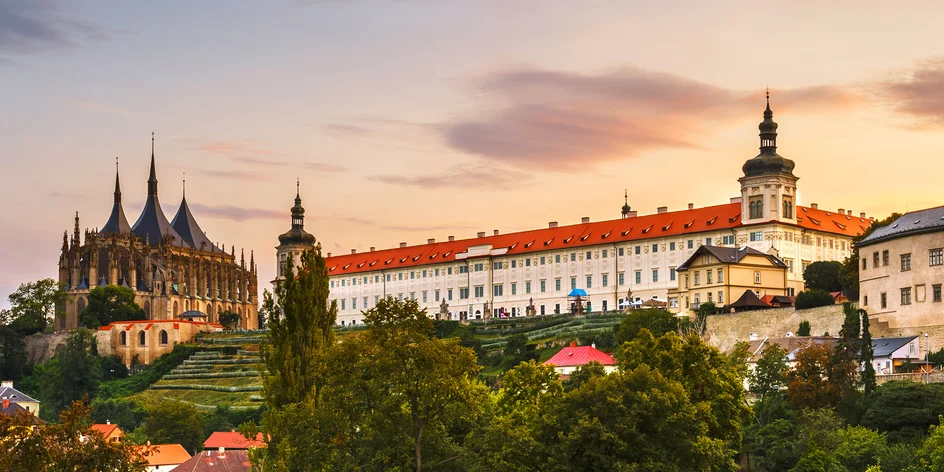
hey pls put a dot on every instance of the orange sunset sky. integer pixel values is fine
(407, 120)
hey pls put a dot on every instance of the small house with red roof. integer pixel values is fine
(220, 460)
(166, 457)
(111, 432)
(571, 357)
(232, 440)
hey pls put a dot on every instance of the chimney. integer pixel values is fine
(573, 344)
(372, 248)
(353, 251)
(593, 345)
(753, 337)
(814, 206)
(495, 232)
(222, 452)
(107, 421)
(849, 212)
(735, 200)
(632, 214)
(6, 403)
(662, 209)
(329, 254)
(431, 241)
(552, 224)
(6, 383)
(691, 206)
(862, 215)
(585, 220)
(842, 211)
(452, 238)
(480, 234)
(402, 245)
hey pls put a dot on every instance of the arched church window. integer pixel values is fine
(163, 337)
(79, 307)
(124, 338)
(141, 338)
(756, 209)
(787, 208)
(176, 310)
(147, 310)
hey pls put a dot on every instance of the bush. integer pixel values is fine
(141, 381)
(813, 298)
(804, 329)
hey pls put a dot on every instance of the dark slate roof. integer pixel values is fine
(14, 395)
(14, 409)
(193, 314)
(188, 229)
(729, 255)
(749, 299)
(921, 221)
(883, 347)
(152, 225)
(117, 222)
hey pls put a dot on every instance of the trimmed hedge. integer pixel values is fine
(213, 375)
(191, 362)
(212, 388)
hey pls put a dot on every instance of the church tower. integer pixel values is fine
(294, 241)
(768, 187)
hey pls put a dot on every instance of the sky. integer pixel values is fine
(414, 119)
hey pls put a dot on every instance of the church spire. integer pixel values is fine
(117, 184)
(298, 212)
(626, 209)
(768, 129)
(152, 179)
(76, 239)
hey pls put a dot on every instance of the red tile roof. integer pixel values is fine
(232, 440)
(167, 454)
(673, 223)
(149, 323)
(105, 429)
(573, 356)
(210, 461)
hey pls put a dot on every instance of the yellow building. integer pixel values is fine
(721, 275)
(143, 341)
(10, 395)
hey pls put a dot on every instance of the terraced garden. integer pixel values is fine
(541, 330)
(211, 377)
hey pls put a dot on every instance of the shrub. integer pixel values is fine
(804, 329)
(813, 298)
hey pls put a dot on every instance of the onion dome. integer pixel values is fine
(626, 209)
(188, 229)
(297, 235)
(768, 161)
(152, 225)
(117, 222)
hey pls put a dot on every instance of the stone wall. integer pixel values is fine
(724, 331)
(41, 347)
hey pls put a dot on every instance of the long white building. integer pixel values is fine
(633, 257)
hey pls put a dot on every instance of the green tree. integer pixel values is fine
(32, 306)
(113, 368)
(932, 451)
(583, 374)
(804, 328)
(903, 409)
(12, 353)
(230, 320)
(657, 321)
(849, 273)
(770, 373)
(67, 445)
(301, 327)
(529, 383)
(169, 422)
(110, 303)
(866, 355)
(810, 385)
(72, 374)
(823, 275)
(516, 351)
(813, 298)
(845, 362)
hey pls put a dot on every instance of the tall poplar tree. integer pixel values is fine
(866, 355)
(301, 326)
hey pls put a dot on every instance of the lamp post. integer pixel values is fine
(927, 358)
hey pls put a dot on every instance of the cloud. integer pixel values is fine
(68, 195)
(236, 213)
(34, 26)
(231, 174)
(917, 93)
(565, 121)
(344, 130)
(102, 108)
(475, 176)
(250, 153)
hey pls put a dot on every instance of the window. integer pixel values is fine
(400, 276)
(527, 287)
(906, 296)
(124, 338)
(655, 275)
(557, 258)
(905, 262)
(707, 241)
(727, 240)
(605, 253)
(589, 281)
(388, 277)
(708, 277)
(557, 285)
(479, 267)
(711, 298)
(697, 278)
(865, 264)
(412, 295)
(756, 276)
(789, 265)
(788, 208)
(936, 257)
(332, 284)
(514, 264)
(720, 276)
(436, 273)
(875, 259)
(464, 293)
(605, 281)
(756, 207)
(425, 298)
(721, 297)
(621, 252)
(936, 292)
(621, 279)
(399, 296)
(884, 300)
(449, 294)
(543, 286)
(527, 262)
(885, 258)
(672, 246)
(141, 338)
(757, 235)
(638, 250)
(589, 255)
(412, 275)
(342, 304)
(655, 248)
(672, 274)
(496, 265)
(638, 276)
(865, 300)
(542, 260)
(691, 244)
(479, 291)
(497, 290)
(365, 302)
(353, 303)
(573, 283)
(424, 274)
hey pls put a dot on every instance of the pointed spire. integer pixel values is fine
(185, 187)
(76, 238)
(768, 129)
(242, 258)
(252, 258)
(152, 179)
(65, 241)
(117, 183)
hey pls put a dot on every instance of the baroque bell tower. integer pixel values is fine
(768, 187)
